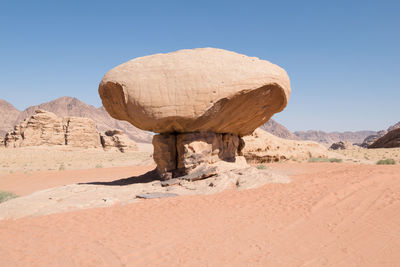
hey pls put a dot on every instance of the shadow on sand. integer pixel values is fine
(148, 177)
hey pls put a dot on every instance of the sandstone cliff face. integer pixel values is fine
(45, 128)
(81, 132)
(263, 147)
(389, 140)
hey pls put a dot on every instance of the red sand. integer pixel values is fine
(330, 215)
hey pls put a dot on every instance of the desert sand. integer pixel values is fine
(331, 214)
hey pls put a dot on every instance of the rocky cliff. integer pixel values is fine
(45, 128)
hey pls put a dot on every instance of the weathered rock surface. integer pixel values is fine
(81, 132)
(341, 145)
(263, 147)
(196, 90)
(117, 139)
(389, 140)
(45, 128)
(73, 107)
(42, 128)
(178, 154)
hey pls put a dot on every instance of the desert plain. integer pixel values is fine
(329, 214)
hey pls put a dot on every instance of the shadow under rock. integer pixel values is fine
(148, 177)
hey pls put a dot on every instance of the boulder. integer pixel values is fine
(201, 101)
(389, 140)
(341, 145)
(117, 139)
(195, 90)
(263, 147)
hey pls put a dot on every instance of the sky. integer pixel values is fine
(342, 57)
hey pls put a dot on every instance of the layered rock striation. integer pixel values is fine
(201, 102)
(45, 128)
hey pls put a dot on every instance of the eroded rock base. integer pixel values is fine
(179, 154)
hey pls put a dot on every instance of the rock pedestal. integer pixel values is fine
(177, 154)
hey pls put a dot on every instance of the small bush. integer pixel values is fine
(386, 162)
(62, 167)
(4, 196)
(335, 160)
(261, 167)
(99, 166)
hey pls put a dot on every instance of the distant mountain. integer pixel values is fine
(333, 137)
(8, 115)
(278, 130)
(70, 106)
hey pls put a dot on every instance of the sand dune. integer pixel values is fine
(329, 215)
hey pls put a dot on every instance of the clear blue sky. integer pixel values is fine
(342, 56)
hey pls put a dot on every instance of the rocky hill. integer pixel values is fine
(371, 139)
(73, 107)
(8, 117)
(279, 130)
(333, 137)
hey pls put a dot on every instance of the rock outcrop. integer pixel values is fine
(341, 145)
(263, 147)
(117, 139)
(81, 132)
(45, 128)
(201, 101)
(73, 107)
(42, 128)
(389, 140)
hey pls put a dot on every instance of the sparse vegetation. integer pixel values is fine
(386, 162)
(99, 166)
(335, 160)
(261, 167)
(62, 167)
(325, 160)
(4, 196)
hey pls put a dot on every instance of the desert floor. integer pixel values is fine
(331, 214)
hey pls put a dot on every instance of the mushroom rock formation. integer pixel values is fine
(200, 101)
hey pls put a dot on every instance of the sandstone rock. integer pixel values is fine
(45, 128)
(196, 90)
(389, 140)
(42, 128)
(117, 139)
(81, 132)
(341, 145)
(263, 147)
(181, 153)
